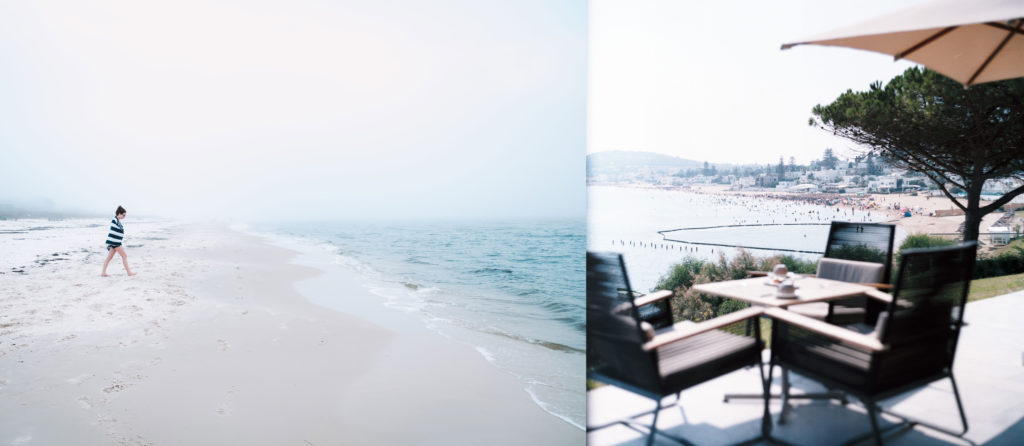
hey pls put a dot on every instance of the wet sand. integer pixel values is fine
(211, 344)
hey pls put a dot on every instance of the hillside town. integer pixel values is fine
(910, 199)
(830, 175)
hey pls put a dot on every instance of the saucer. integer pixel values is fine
(780, 295)
(771, 278)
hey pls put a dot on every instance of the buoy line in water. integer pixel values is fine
(666, 238)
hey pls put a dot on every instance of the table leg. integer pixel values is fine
(784, 396)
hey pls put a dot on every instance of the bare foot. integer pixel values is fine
(104, 275)
(131, 273)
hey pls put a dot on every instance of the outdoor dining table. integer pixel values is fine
(761, 291)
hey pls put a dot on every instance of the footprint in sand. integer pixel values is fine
(116, 387)
(224, 409)
(224, 345)
(84, 403)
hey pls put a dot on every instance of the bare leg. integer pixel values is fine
(124, 260)
(110, 255)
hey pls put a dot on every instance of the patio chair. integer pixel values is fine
(622, 353)
(914, 342)
(854, 252)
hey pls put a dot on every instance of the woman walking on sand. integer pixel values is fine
(114, 241)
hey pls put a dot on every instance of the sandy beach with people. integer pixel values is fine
(923, 208)
(211, 344)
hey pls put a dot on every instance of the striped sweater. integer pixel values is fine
(116, 236)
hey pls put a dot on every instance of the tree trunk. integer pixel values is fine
(973, 214)
(972, 223)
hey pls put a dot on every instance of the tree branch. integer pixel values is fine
(1002, 200)
(942, 187)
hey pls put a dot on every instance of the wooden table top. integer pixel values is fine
(760, 291)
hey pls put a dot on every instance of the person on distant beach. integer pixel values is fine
(114, 240)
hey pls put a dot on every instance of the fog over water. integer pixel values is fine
(302, 110)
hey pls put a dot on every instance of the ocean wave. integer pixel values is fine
(551, 410)
(572, 321)
(550, 345)
(561, 307)
(417, 261)
(424, 291)
(493, 271)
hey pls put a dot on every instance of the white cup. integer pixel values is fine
(787, 287)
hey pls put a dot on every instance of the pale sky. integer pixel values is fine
(707, 80)
(249, 110)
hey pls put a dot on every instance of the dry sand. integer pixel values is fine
(210, 344)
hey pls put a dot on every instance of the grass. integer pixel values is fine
(1011, 248)
(995, 286)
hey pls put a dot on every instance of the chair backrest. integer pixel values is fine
(614, 335)
(865, 242)
(922, 323)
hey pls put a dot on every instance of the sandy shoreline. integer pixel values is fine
(922, 207)
(922, 220)
(212, 344)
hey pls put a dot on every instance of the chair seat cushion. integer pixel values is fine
(850, 270)
(705, 356)
(807, 351)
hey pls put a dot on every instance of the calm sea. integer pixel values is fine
(627, 220)
(514, 291)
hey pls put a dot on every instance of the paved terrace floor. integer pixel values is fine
(989, 369)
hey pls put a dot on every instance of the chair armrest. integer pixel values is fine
(878, 286)
(652, 298)
(878, 295)
(823, 328)
(681, 332)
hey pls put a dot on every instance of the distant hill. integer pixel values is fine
(626, 161)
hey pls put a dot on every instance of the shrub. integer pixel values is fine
(1005, 263)
(794, 264)
(690, 305)
(914, 241)
(924, 241)
(1009, 260)
(681, 275)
